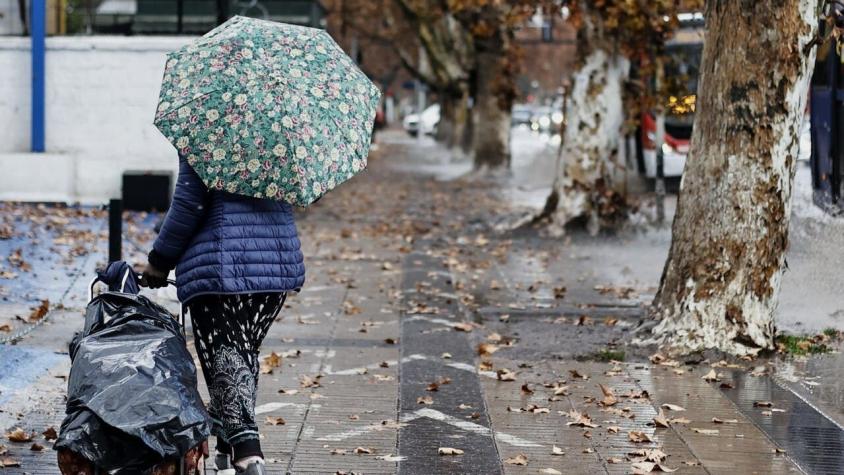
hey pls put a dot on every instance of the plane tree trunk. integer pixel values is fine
(583, 188)
(721, 281)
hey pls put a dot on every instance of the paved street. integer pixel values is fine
(424, 329)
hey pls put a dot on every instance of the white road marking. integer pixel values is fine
(437, 416)
(273, 406)
(328, 369)
(475, 428)
(341, 436)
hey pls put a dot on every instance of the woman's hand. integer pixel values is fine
(153, 278)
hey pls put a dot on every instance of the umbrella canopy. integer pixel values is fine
(268, 110)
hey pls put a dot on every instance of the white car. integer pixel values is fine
(429, 119)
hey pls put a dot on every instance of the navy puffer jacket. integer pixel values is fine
(221, 243)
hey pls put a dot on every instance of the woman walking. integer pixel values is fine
(236, 258)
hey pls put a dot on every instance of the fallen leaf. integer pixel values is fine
(40, 311)
(660, 420)
(485, 349)
(556, 450)
(763, 404)
(449, 451)
(505, 374)
(338, 452)
(9, 462)
(711, 376)
(520, 459)
(577, 375)
(551, 471)
(36, 447)
(288, 392)
(673, 407)
(724, 421)
(580, 419)
(364, 451)
(526, 389)
(425, 400)
(5, 328)
(50, 434)
(275, 421)
(705, 431)
(609, 396)
(613, 429)
(307, 382)
(614, 460)
(642, 468)
(638, 436)
(446, 356)
(463, 327)
(18, 435)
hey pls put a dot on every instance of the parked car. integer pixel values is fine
(427, 121)
(521, 115)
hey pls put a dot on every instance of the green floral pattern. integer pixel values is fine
(268, 110)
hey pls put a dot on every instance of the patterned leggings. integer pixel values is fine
(229, 329)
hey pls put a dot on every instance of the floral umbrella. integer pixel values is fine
(268, 110)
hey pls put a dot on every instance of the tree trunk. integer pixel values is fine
(453, 128)
(721, 280)
(491, 110)
(594, 116)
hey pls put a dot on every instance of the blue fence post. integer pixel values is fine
(38, 24)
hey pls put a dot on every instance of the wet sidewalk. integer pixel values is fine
(425, 342)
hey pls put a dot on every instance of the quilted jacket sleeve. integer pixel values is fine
(187, 211)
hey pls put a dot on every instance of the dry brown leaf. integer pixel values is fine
(9, 462)
(40, 311)
(5, 328)
(36, 447)
(642, 468)
(711, 376)
(288, 392)
(578, 375)
(449, 451)
(556, 450)
(614, 460)
(705, 431)
(724, 421)
(763, 404)
(660, 420)
(364, 451)
(338, 452)
(609, 397)
(50, 434)
(551, 471)
(580, 420)
(19, 435)
(275, 421)
(306, 381)
(613, 429)
(427, 400)
(673, 407)
(520, 459)
(638, 436)
(463, 327)
(505, 374)
(485, 349)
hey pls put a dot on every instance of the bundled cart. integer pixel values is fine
(132, 404)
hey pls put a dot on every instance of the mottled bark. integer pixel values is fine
(453, 130)
(591, 140)
(721, 280)
(491, 108)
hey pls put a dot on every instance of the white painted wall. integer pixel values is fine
(101, 97)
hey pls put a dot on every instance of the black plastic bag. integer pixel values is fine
(132, 392)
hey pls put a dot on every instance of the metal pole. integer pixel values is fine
(659, 139)
(420, 106)
(115, 229)
(38, 23)
(180, 16)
